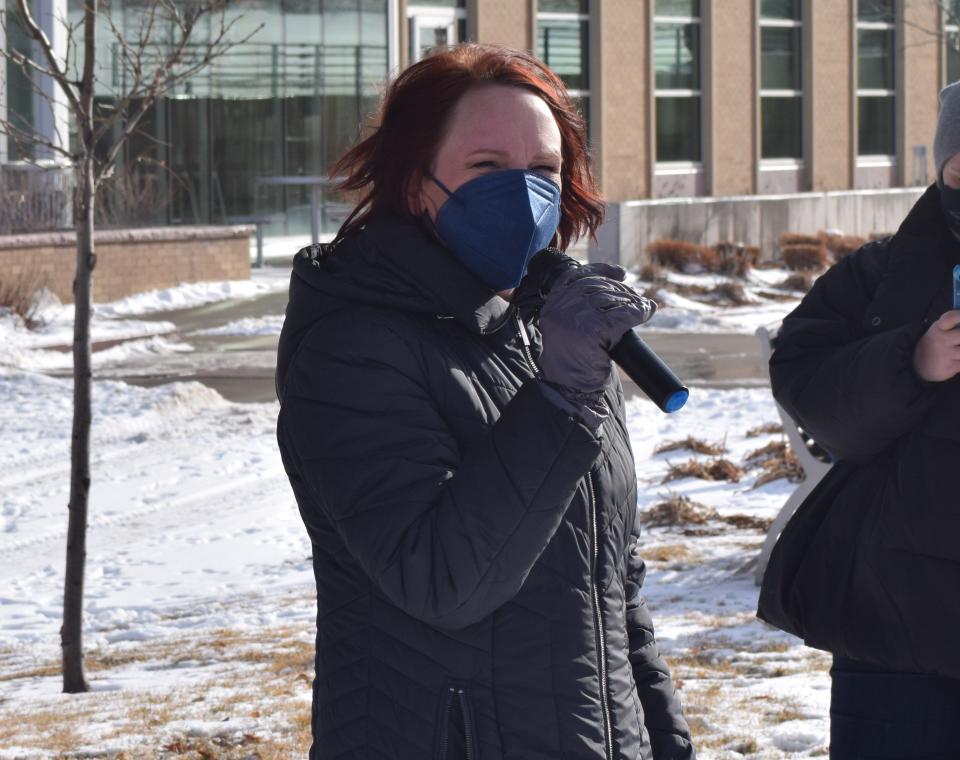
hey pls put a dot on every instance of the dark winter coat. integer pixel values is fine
(474, 546)
(880, 580)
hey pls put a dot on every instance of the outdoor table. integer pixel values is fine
(316, 184)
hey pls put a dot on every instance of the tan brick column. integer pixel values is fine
(917, 106)
(619, 93)
(730, 91)
(831, 148)
(506, 22)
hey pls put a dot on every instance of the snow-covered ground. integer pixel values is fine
(199, 577)
(116, 331)
(199, 592)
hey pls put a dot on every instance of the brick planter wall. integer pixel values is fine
(128, 261)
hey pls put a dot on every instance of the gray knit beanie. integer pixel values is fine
(947, 140)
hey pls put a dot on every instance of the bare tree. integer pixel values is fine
(160, 53)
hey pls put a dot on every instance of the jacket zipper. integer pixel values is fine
(467, 725)
(598, 631)
(459, 694)
(598, 622)
(525, 340)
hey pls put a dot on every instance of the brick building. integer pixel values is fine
(684, 98)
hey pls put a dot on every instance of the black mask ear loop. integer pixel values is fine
(428, 223)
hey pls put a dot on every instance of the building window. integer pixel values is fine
(19, 87)
(677, 77)
(876, 88)
(951, 36)
(435, 23)
(781, 80)
(563, 39)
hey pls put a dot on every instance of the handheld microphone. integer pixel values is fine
(631, 354)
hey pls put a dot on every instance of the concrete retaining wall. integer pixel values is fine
(128, 261)
(751, 219)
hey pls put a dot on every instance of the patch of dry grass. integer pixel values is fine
(748, 522)
(713, 469)
(676, 510)
(776, 460)
(799, 282)
(768, 428)
(263, 676)
(675, 555)
(696, 445)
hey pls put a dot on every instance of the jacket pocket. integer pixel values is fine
(456, 738)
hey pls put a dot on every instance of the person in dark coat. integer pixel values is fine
(868, 364)
(465, 476)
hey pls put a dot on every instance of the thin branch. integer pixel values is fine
(23, 136)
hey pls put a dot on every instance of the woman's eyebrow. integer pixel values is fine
(502, 153)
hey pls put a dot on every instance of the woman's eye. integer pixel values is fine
(547, 169)
(485, 165)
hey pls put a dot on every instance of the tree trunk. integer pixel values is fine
(71, 634)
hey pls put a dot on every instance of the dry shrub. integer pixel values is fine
(731, 293)
(767, 428)
(736, 259)
(799, 281)
(19, 293)
(776, 461)
(651, 272)
(748, 522)
(806, 257)
(772, 295)
(677, 510)
(841, 245)
(681, 256)
(797, 238)
(772, 450)
(713, 469)
(695, 445)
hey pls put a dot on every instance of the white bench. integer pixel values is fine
(814, 460)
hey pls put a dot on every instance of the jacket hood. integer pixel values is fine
(392, 262)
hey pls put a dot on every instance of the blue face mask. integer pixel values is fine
(495, 223)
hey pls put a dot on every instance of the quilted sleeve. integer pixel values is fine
(663, 715)
(856, 393)
(447, 535)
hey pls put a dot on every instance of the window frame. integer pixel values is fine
(578, 94)
(762, 92)
(950, 26)
(874, 160)
(685, 167)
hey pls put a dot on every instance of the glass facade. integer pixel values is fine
(287, 102)
(676, 63)
(876, 78)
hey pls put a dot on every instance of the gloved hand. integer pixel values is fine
(586, 312)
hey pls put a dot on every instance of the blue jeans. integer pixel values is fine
(879, 715)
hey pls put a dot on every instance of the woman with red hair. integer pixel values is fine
(463, 469)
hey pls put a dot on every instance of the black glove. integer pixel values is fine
(586, 312)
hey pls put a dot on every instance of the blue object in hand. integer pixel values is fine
(956, 287)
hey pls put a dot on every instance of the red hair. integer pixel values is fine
(414, 116)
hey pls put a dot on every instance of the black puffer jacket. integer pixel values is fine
(879, 581)
(474, 546)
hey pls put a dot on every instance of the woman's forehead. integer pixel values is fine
(498, 117)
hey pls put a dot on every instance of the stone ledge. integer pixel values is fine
(133, 235)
